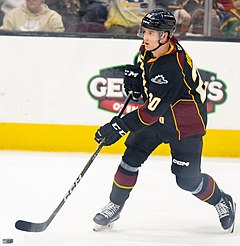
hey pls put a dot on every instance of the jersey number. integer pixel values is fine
(201, 89)
(153, 102)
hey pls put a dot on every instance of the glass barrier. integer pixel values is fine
(111, 18)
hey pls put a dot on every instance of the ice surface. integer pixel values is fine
(157, 213)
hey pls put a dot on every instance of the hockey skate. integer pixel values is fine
(104, 220)
(226, 212)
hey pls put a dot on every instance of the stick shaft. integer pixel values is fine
(39, 227)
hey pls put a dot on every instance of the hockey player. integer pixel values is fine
(174, 112)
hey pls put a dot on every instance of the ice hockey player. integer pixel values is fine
(173, 112)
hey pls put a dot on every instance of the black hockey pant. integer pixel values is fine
(186, 164)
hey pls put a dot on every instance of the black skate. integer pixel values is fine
(226, 212)
(104, 220)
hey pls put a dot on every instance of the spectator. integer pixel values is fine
(224, 5)
(72, 6)
(125, 16)
(91, 17)
(231, 22)
(33, 16)
(70, 16)
(191, 5)
(94, 10)
(197, 20)
(196, 9)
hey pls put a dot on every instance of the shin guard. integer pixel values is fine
(208, 191)
(124, 181)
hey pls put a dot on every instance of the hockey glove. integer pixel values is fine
(111, 132)
(132, 81)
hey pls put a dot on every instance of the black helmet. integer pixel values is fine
(159, 20)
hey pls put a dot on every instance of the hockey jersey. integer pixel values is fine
(173, 93)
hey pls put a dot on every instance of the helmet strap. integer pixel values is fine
(160, 44)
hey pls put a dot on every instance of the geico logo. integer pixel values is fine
(100, 87)
(215, 91)
(181, 163)
(106, 87)
(118, 105)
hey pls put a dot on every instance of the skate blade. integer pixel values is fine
(231, 229)
(98, 228)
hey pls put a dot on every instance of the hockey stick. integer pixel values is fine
(39, 227)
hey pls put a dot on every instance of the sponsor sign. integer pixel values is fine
(107, 89)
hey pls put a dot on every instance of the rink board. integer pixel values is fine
(70, 138)
(54, 94)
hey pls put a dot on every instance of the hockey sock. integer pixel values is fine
(208, 191)
(124, 181)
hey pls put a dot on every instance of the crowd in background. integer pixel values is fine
(116, 16)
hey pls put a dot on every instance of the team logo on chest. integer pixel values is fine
(159, 79)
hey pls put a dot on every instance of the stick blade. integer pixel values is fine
(30, 227)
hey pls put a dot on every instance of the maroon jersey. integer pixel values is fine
(173, 92)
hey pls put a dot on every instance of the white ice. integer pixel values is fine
(157, 213)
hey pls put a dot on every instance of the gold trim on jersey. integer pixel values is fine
(175, 122)
(170, 50)
(143, 73)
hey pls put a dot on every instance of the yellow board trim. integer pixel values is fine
(79, 138)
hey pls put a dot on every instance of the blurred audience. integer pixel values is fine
(81, 15)
(115, 16)
(124, 16)
(224, 5)
(231, 22)
(70, 16)
(91, 17)
(197, 10)
(72, 6)
(33, 16)
(94, 10)
(191, 5)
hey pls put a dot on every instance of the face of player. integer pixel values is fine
(35, 6)
(151, 38)
(236, 4)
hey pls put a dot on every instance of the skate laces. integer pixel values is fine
(110, 209)
(222, 208)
